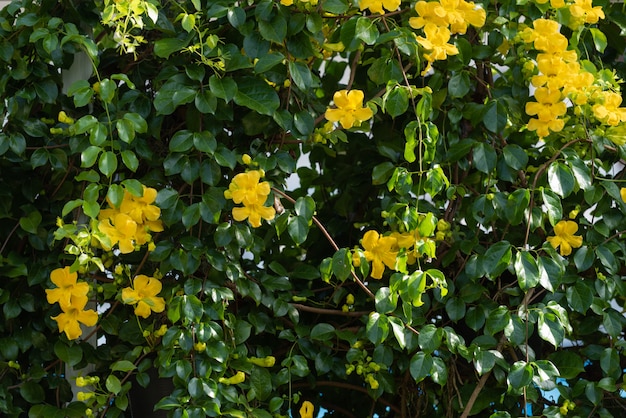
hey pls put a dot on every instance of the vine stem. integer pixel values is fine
(330, 239)
(536, 179)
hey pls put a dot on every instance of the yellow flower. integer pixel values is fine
(306, 410)
(67, 287)
(376, 6)
(350, 110)
(245, 188)
(141, 209)
(456, 14)
(555, 4)
(583, 10)
(68, 321)
(565, 238)
(436, 42)
(548, 107)
(461, 13)
(122, 230)
(254, 213)
(144, 294)
(286, 2)
(608, 110)
(379, 250)
(429, 13)
(622, 193)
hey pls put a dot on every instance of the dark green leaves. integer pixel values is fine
(256, 95)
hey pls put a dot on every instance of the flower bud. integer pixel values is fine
(268, 361)
(240, 377)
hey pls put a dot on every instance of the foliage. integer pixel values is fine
(384, 208)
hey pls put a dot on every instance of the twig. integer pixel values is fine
(331, 240)
(324, 311)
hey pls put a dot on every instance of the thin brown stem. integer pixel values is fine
(330, 240)
(324, 311)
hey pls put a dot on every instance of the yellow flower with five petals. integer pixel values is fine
(380, 251)
(350, 109)
(67, 287)
(73, 315)
(564, 237)
(144, 293)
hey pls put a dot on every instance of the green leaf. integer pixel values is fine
(223, 88)
(385, 300)
(579, 296)
(298, 228)
(125, 130)
(130, 160)
(32, 392)
(261, 382)
(336, 7)
(30, 222)
(397, 326)
(520, 375)
(430, 338)
(396, 102)
(366, 30)
(459, 84)
(342, 264)
(497, 320)
(553, 206)
(561, 179)
(182, 141)
(122, 366)
(274, 30)
(420, 366)
(568, 363)
(377, 328)
(515, 156)
(305, 207)
(89, 156)
(599, 39)
(439, 371)
(204, 141)
(72, 355)
(163, 48)
(191, 215)
(496, 259)
(550, 329)
(485, 157)
(322, 332)
(107, 163)
(484, 361)
(257, 95)
(495, 117)
(612, 322)
(301, 75)
(107, 90)
(113, 384)
(382, 172)
(205, 101)
(526, 270)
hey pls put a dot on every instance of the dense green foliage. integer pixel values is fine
(481, 313)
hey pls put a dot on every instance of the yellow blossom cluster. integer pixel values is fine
(350, 110)
(560, 78)
(129, 226)
(383, 250)
(143, 294)
(440, 20)
(72, 298)
(247, 189)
